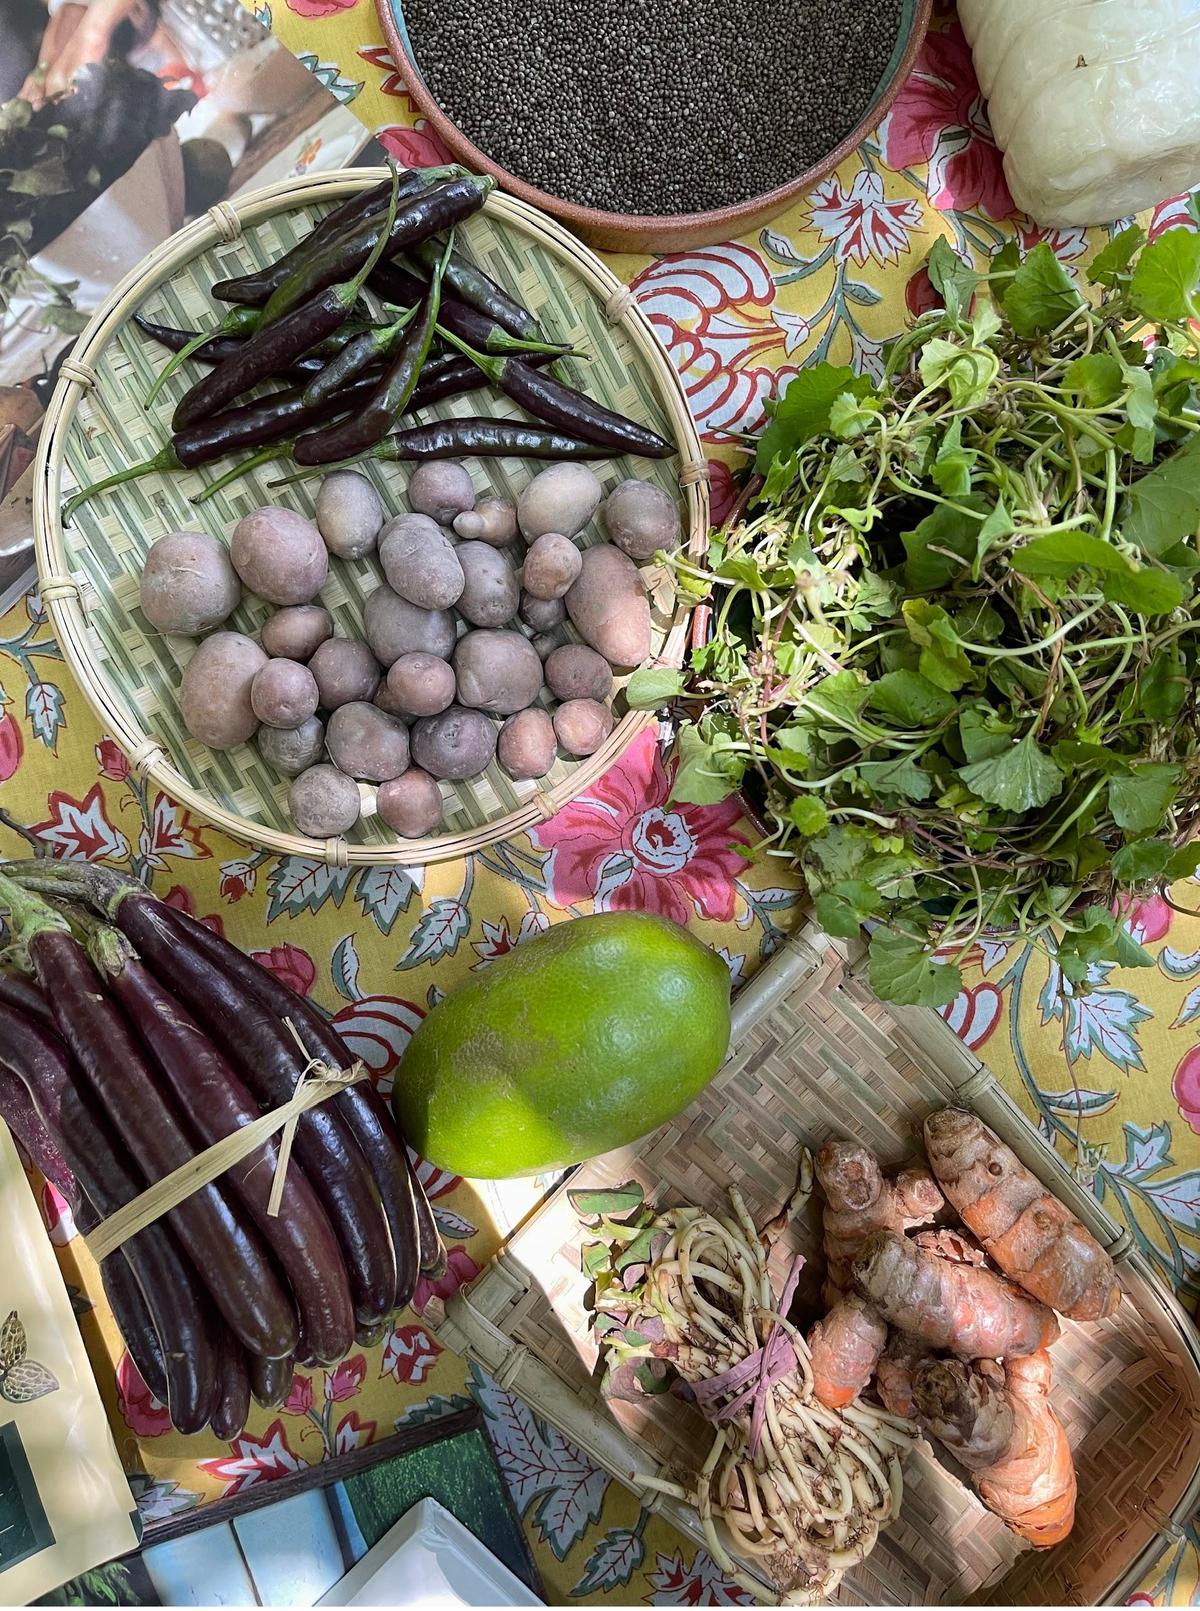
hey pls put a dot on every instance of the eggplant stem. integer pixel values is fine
(28, 916)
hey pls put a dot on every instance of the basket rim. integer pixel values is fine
(68, 604)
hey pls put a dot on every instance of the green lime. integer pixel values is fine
(571, 1044)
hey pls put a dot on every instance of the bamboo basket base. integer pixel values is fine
(90, 571)
(816, 1056)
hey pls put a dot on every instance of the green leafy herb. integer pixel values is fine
(653, 686)
(957, 631)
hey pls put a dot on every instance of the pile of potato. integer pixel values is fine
(458, 663)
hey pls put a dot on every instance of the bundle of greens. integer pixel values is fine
(957, 623)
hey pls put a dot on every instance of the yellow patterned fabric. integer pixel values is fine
(1114, 1084)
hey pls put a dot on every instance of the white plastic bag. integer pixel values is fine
(1094, 103)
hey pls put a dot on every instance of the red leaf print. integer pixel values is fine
(173, 832)
(11, 746)
(381, 57)
(80, 830)
(377, 1029)
(409, 1354)
(252, 1460)
(289, 963)
(974, 1014)
(144, 1415)
(418, 147)
(345, 1381)
(112, 760)
(353, 1434)
(301, 1398)
(57, 1216)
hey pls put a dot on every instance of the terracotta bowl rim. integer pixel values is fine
(581, 217)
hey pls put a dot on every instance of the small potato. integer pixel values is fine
(493, 520)
(542, 615)
(497, 671)
(345, 670)
(456, 744)
(349, 514)
(394, 627)
(420, 562)
(292, 750)
(386, 700)
(562, 498)
(324, 802)
(420, 685)
(577, 672)
(608, 606)
(284, 693)
(582, 725)
(297, 632)
(365, 742)
(491, 592)
(641, 518)
(188, 583)
(441, 489)
(214, 696)
(410, 805)
(279, 555)
(551, 565)
(527, 745)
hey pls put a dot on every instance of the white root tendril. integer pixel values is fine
(810, 1500)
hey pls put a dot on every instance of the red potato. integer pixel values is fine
(214, 696)
(279, 555)
(497, 671)
(441, 489)
(576, 672)
(292, 750)
(527, 745)
(641, 519)
(394, 627)
(582, 725)
(457, 744)
(490, 592)
(411, 805)
(344, 670)
(493, 520)
(296, 633)
(562, 498)
(349, 514)
(542, 615)
(188, 584)
(324, 802)
(608, 607)
(420, 562)
(551, 565)
(365, 742)
(420, 685)
(284, 694)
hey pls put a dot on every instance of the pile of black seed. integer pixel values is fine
(654, 106)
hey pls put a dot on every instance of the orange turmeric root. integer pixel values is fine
(1008, 1438)
(896, 1371)
(1033, 1237)
(845, 1346)
(858, 1200)
(957, 1308)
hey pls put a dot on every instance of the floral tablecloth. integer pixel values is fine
(1115, 1084)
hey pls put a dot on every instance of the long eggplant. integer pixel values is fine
(270, 1380)
(218, 1103)
(180, 1312)
(231, 1402)
(227, 1253)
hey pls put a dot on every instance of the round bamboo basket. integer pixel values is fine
(89, 571)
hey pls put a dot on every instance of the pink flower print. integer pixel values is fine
(862, 222)
(624, 846)
(289, 964)
(144, 1415)
(301, 1398)
(418, 147)
(939, 118)
(461, 1269)
(1145, 921)
(1185, 1088)
(345, 1381)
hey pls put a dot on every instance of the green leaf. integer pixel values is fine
(744, 569)
(1163, 687)
(1139, 803)
(1021, 778)
(709, 771)
(902, 777)
(995, 529)
(850, 416)
(611, 1200)
(1147, 592)
(1111, 264)
(1183, 863)
(837, 699)
(967, 373)
(1098, 936)
(808, 815)
(910, 699)
(1163, 507)
(942, 659)
(904, 971)
(930, 545)
(1041, 294)
(951, 469)
(983, 734)
(1164, 283)
(1062, 553)
(953, 278)
(1096, 379)
(653, 686)
(802, 412)
(1141, 408)
(843, 910)
(1141, 862)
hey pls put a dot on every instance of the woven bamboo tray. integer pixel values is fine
(89, 572)
(813, 1056)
